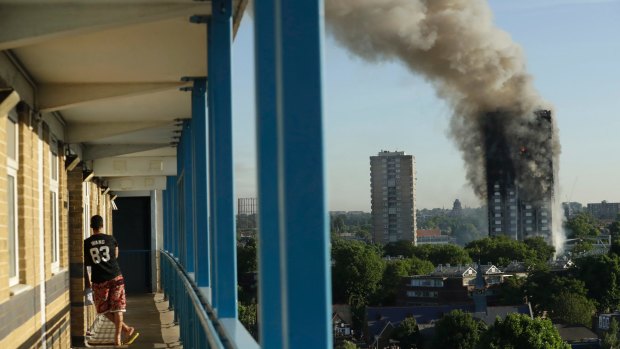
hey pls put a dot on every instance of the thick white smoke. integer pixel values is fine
(475, 67)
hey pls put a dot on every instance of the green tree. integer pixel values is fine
(582, 225)
(356, 272)
(457, 330)
(420, 266)
(610, 339)
(602, 275)
(248, 317)
(338, 226)
(501, 250)
(614, 228)
(615, 247)
(572, 308)
(582, 246)
(246, 257)
(512, 291)
(392, 280)
(442, 254)
(407, 333)
(399, 248)
(518, 331)
(541, 286)
(541, 249)
(347, 345)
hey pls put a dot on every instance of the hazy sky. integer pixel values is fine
(573, 51)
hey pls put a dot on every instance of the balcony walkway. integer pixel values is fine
(149, 314)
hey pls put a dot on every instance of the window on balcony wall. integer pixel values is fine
(12, 168)
(54, 204)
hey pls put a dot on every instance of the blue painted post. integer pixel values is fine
(174, 225)
(269, 281)
(295, 38)
(199, 119)
(211, 184)
(182, 255)
(165, 204)
(188, 193)
(220, 87)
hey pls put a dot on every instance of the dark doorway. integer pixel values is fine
(132, 230)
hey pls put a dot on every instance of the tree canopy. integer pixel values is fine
(519, 331)
(457, 330)
(582, 224)
(501, 250)
(602, 276)
(442, 254)
(356, 272)
(407, 333)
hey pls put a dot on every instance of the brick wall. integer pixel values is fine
(21, 319)
(76, 256)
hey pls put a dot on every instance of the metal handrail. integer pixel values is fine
(190, 308)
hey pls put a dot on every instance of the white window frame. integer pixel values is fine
(12, 168)
(54, 214)
(86, 201)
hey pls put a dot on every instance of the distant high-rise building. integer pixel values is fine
(246, 216)
(512, 210)
(392, 191)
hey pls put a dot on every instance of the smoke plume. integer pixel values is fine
(474, 66)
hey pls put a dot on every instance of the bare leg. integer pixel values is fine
(118, 323)
(126, 328)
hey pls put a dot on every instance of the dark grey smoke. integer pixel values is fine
(475, 67)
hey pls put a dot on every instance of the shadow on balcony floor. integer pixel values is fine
(149, 314)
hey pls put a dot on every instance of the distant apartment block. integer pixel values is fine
(605, 210)
(433, 237)
(392, 190)
(246, 216)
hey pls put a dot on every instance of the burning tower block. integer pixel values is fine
(520, 174)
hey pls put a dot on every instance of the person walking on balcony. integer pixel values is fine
(106, 280)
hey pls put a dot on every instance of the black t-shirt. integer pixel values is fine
(100, 255)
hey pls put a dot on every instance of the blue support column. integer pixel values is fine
(290, 31)
(179, 200)
(188, 193)
(199, 120)
(211, 186)
(269, 281)
(174, 223)
(166, 205)
(220, 90)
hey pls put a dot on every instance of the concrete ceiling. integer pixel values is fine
(110, 70)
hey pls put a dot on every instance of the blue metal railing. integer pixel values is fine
(199, 328)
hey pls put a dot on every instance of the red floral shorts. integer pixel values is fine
(109, 296)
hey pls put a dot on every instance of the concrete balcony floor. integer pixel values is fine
(149, 314)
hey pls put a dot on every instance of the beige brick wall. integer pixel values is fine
(28, 330)
(76, 252)
(27, 193)
(4, 252)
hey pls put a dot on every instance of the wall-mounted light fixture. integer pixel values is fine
(114, 207)
(87, 175)
(71, 161)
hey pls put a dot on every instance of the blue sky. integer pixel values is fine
(573, 51)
